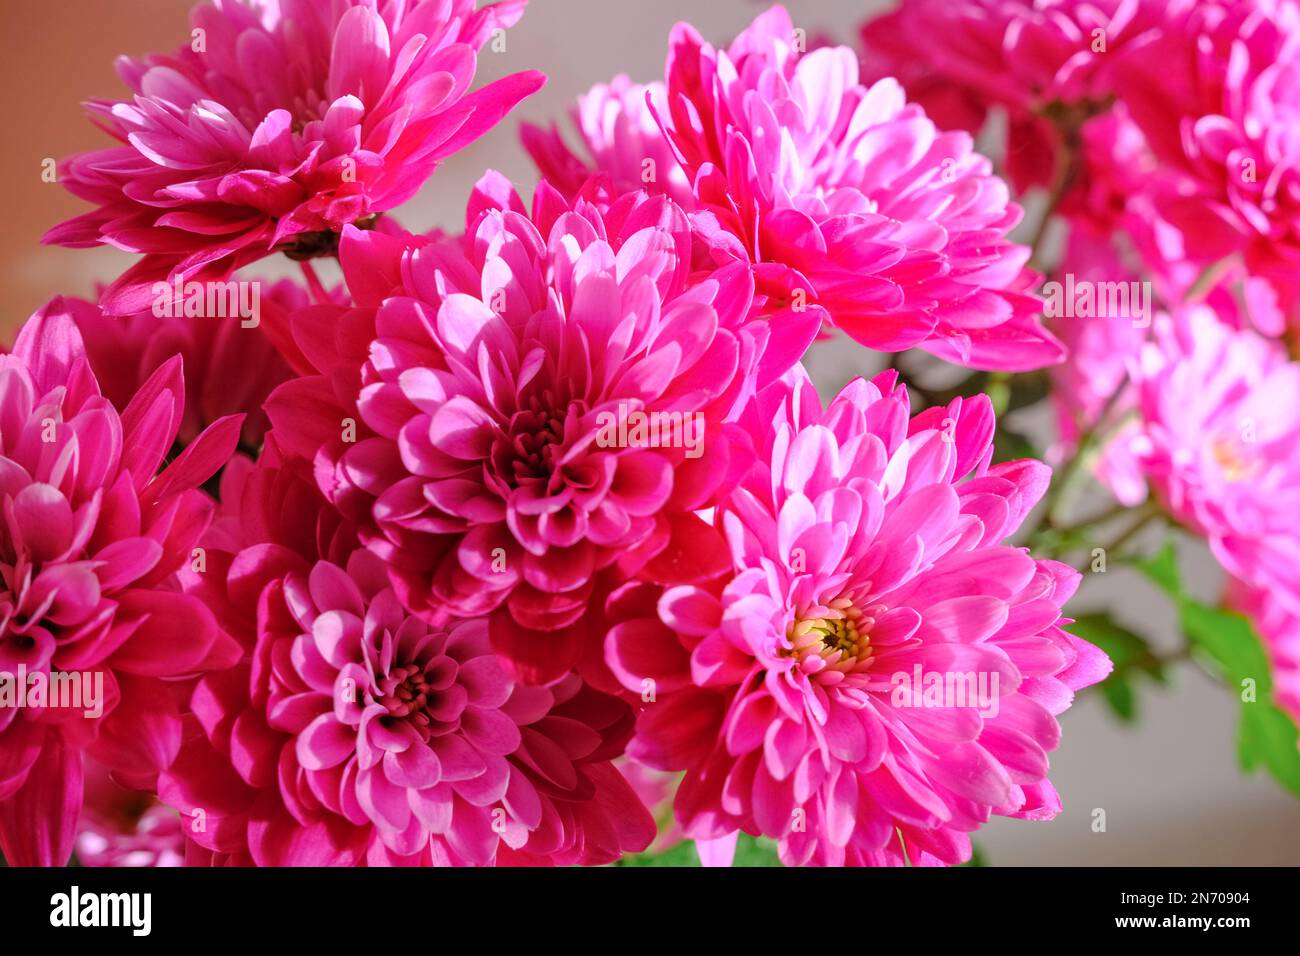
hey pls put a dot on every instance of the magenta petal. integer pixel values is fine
(39, 822)
(325, 743)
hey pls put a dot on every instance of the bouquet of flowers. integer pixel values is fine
(533, 543)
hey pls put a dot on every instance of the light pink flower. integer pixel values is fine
(121, 827)
(1100, 343)
(847, 196)
(623, 141)
(1216, 91)
(93, 536)
(484, 375)
(1219, 441)
(354, 733)
(281, 123)
(866, 550)
(229, 368)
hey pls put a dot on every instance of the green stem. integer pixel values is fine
(1104, 517)
(1143, 516)
(1147, 514)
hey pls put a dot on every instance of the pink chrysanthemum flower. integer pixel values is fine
(1024, 53)
(91, 538)
(121, 827)
(891, 50)
(796, 692)
(231, 365)
(491, 379)
(280, 124)
(1216, 91)
(848, 196)
(355, 733)
(623, 140)
(1048, 63)
(1101, 342)
(1219, 442)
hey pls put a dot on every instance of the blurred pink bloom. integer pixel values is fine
(1114, 167)
(93, 535)
(891, 49)
(866, 552)
(354, 733)
(623, 140)
(1220, 442)
(229, 368)
(1216, 91)
(282, 122)
(1278, 623)
(483, 374)
(121, 827)
(1048, 63)
(1100, 344)
(1025, 53)
(655, 790)
(849, 197)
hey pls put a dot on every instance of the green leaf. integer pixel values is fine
(756, 851)
(1120, 697)
(1225, 636)
(1268, 736)
(977, 857)
(1162, 568)
(1131, 655)
(1230, 640)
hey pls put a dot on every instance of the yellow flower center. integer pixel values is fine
(1230, 456)
(840, 635)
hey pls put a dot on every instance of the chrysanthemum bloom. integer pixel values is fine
(1216, 91)
(230, 363)
(536, 402)
(1101, 334)
(622, 138)
(281, 123)
(1278, 623)
(1220, 443)
(848, 196)
(878, 674)
(355, 733)
(1048, 63)
(121, 827)
(93, 536)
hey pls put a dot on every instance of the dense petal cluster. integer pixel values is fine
(278, 125)
(619, 128)
(797, 692)
(1049, 65)
(1220, 442)
(465, 547)
(538, 400)
(1216, 92)
(93, 537)
(848, 196)
(230, 365)
(356, 733)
